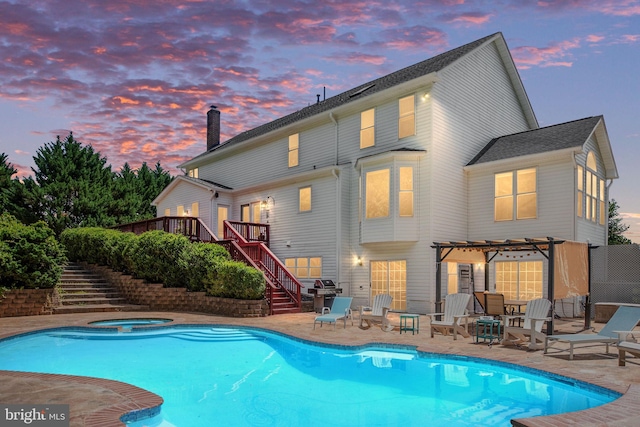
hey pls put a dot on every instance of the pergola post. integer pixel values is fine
(550, 287)
(438, 277)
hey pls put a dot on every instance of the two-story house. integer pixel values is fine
(356, 188)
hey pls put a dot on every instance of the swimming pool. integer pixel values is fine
(235, 376)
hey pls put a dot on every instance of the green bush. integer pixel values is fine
(30, 256)
(159, 258)
(236, 280)
(203, 261)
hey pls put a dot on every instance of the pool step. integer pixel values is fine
(82, 291)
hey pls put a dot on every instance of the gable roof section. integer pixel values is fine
(558, 137)
(202, 183)
(426, 67)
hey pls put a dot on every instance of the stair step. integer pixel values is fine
(94, 308)
(89, 295)
(93, 301)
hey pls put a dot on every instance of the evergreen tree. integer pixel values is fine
(616, 227)
(72, 186)
(6, 183)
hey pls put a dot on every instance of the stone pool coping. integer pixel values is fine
(96, 402)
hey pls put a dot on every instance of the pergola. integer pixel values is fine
(573, 262)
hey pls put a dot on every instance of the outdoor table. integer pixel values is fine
(415, 323)
(488, 329)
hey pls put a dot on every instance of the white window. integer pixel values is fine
(592, 191)
(304, 195)
(377, 194)
(305, 268)
(452, 278)
(180, 210)
(406, 117)
(294, 143)
(193, 173)
(367, 128)
(523, 202)
(405, 191)
(519, 280)
(580, 182)
(167, 212)
(195, 210)
(223, 215)
(390, 277)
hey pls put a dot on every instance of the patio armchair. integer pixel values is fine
(536, 313)
(377, 313)
(455, 316)
(625, 346)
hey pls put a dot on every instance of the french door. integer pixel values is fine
(390, 277)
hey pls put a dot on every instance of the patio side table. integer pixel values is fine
(415, 323)
(488, 329)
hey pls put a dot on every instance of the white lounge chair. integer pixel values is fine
(537, 312)
(340, 309)
(455, 316)
(624, 319)
(625, 347)
(377, 313)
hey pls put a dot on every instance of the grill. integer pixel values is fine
(324, 291)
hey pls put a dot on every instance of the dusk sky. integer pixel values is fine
(135, 78)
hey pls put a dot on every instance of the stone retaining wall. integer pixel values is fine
(26, 302)
(159, 298)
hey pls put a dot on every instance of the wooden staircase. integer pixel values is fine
(82, 291)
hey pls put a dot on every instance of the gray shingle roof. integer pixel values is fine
(542, 140)
(423, 68)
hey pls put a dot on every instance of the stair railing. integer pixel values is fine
(268, 261)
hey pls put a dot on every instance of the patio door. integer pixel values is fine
(390, 277)
(223, 215)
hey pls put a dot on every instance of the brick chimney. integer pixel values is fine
(213, 127)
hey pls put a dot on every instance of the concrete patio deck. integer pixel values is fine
(98, 403)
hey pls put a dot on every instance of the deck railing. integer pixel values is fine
(188, 226)
(250, 231)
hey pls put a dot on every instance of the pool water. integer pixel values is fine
(130, 323)
(218, 376)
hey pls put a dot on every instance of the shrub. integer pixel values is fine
(203, 261)
(236, 280)
(30, 256)
(159, 258)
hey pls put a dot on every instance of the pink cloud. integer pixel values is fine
(356, 58)
(418, 36)
(529, 56)
(467, 18)
(606, 7)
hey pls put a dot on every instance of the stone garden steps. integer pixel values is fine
(83, 291)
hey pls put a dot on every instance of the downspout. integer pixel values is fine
(335, 123)
(575, 189)
(338, 217)
(338, 229)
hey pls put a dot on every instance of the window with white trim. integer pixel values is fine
(405, 191)
(590, 192)
(523, 201)
(377, 187)
(193, 173)
(367, 128)
(406, 116)
(304, 195)
(519, 280)
(304, 267)
(294, 145)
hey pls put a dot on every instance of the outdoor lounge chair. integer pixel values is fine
(455, 312)
(625, 347)
(624, 319)
(377, 313)
(340, 309)
(537, 312)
